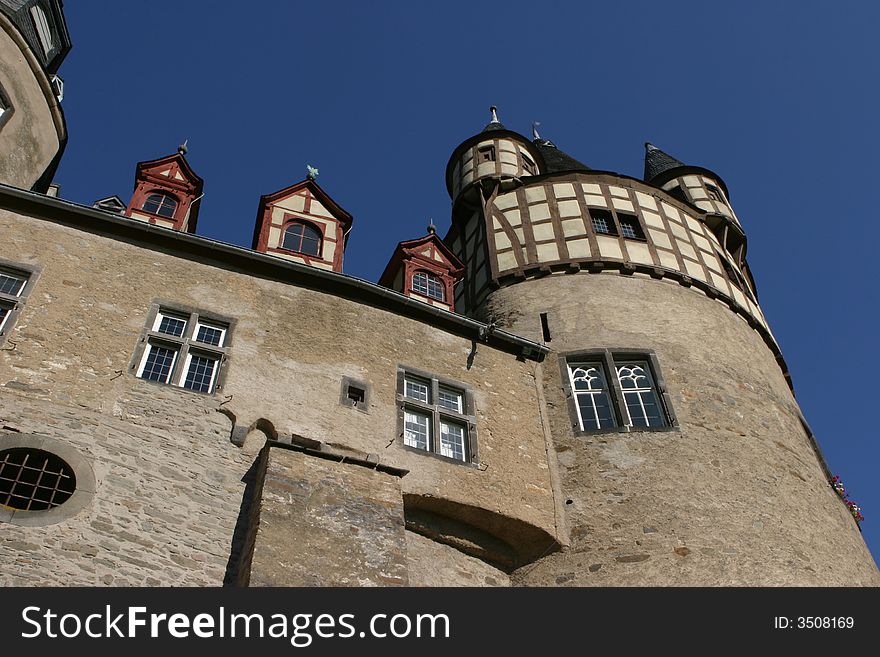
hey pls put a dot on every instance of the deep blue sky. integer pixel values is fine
(780, 99)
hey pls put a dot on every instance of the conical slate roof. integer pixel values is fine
(657, 162)
(556, 160)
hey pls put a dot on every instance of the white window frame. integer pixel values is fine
(611, 362)
(185, 346)
(11, 302)
(170, 315)
(419, 395)
(148, 349)
(201, 354)
(211, 325)
(432, 281)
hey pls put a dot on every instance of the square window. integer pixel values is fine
(418, 389)
(436, 416)
(714, 193)
(452, 440)
(630, 398)
(603, 222)
(450, 399)
(209, 334)
(157, 363)
(169, 324)
(417, 430)
(200, 371)
(11, 284)
(630, 227)
(486, 154)
(175, 355)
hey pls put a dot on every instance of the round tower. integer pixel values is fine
(33, 43)
(678, 452)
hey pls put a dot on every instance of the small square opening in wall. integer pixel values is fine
(355, 394)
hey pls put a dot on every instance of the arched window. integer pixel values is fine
(161, 204)
(430, 285)
(302, 238)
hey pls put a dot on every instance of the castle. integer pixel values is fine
(576, 386)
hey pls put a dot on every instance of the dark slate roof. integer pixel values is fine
(555, 160)
(18, 12)
(656, 162)
(494, 125)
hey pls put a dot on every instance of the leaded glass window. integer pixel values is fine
(13, 288)
(429, 285)
(184, 350)
(603, 222)
(630, 227)
(302, 238)
(639, 394)
(417, 431)
(437, 416)
(11, 285)
(630, 398)
(161, 204)
(158, 363)
(200, 373)
(590, 388)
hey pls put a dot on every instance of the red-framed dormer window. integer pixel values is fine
(164, 205)
(303, 238)
(429, 285)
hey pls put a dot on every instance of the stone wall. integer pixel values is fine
(170, 483)
(324, 522)
(735, 496)
(29, 133)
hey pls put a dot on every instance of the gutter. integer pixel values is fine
(236, 258)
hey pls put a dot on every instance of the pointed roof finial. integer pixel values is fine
(313, 172)
(494, 111)
(431, 227)
(650, 147)
(535, 134)
(182, 149)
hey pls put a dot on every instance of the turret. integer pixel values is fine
(703, 189)
(495, 153)
(678, 447)
(33, 43)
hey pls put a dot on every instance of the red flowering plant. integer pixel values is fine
(854, 509)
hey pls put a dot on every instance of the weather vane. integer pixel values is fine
(313, 171)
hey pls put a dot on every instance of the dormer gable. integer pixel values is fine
(110, 204)
(302, 223)
(167, 192)
(424, 269)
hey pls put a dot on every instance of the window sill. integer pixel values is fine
(597, 432)
(447, 459)
(171, 386)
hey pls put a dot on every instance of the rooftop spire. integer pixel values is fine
(535, 135)
(182, 149)
(656, 162)
(494, 124)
